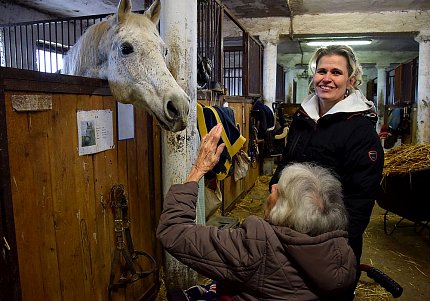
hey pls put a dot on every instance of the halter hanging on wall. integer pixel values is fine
(128, 264)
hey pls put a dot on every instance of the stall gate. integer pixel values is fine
(41, 45)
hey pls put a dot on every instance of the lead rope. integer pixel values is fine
(130, 269)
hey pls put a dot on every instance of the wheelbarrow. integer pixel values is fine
(402, 194)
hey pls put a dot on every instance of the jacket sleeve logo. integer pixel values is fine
(373, 155)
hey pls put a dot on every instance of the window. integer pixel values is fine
(48, 61)
(2, 50)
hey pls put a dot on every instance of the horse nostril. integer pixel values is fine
(172, 110)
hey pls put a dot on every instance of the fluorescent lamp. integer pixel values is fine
(339, 42)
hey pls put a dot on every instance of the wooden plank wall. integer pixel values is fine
(61, 209)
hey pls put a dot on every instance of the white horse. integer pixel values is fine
(126, 49)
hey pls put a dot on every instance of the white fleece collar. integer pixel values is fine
(355, 102)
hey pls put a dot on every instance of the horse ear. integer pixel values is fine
(153, 12)
(124, 7)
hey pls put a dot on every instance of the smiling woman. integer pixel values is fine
(336, 75)
(334, 127)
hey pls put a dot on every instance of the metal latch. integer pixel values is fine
(4, 248)
(6, 244)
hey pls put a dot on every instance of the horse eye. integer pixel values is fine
(166, 52)
(126, 48)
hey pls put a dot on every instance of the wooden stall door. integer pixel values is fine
(61, 207)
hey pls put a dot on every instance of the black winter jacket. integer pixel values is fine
(344, 141)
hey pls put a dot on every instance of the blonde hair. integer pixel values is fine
(310, 200)
(354, 68)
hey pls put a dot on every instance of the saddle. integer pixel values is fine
(125, 257)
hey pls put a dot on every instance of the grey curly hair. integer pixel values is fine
(310, 200)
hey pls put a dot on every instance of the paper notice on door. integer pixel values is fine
(125, 121)
(95, 131)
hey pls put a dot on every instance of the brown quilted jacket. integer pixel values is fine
(256, 261)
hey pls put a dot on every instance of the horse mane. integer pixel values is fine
(85, 56)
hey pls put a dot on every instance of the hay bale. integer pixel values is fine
(406, 158)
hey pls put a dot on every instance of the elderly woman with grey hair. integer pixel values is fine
(299, 251)
(308, 199)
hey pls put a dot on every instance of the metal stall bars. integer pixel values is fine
(235, 55)
(40, 45)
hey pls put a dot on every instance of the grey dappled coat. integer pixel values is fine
(256, 261)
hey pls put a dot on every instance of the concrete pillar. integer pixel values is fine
(291, 74)
(286, 78)
(302, 88)
(2, 50)
(270, 41)
(370, 73)
(363, 87)
(381, 94)
(178, 28)
(423, 95)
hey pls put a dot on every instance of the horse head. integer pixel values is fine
(126, 49)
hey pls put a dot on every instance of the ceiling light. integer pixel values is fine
(339, 42)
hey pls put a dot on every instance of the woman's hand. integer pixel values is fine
(209, 154)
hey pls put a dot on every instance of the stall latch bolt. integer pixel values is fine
(5, 247)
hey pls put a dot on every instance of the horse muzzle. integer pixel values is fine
(176, 109)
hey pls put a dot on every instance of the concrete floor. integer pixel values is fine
(404, 256)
